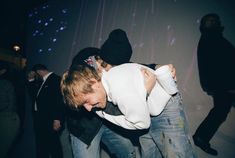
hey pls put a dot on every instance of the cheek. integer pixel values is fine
(103, 97)
(93, 100)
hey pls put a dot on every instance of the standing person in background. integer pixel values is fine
(213, 49)
(33, 84)
(48, 114)
(9, 119)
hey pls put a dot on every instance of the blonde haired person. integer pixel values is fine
(123, 85)
(168, 135)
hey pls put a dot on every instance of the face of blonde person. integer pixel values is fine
(97, 99)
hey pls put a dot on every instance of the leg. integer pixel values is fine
(215, 118)
(170, 131)
(148, 147)
(117, 144)
(55, 146)
(209, 126)
(82, 150)
(40, 137)
(41, 149)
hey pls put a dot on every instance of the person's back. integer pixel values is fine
(128, 79)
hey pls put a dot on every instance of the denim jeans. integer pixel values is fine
(117, 145)
(168, 136)
(82, 150)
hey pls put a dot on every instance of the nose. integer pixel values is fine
(88, 107)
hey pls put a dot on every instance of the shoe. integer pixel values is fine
(204, 146)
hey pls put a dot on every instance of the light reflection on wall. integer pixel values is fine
(42, 21)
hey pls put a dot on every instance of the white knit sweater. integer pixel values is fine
(124, 85)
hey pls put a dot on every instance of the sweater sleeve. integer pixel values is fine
(135, 115)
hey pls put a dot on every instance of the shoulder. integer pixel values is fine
(54, 76)
(126, 69)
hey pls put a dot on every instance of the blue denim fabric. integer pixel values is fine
(117, 145)
(82, 150)
(148, 147)
(169, 132)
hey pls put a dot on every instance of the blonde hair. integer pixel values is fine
(76, 82)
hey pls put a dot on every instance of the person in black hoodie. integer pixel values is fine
(214, 49)
(87, 130)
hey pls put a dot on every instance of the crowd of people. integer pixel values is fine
(104, 98)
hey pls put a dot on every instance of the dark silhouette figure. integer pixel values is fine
(48, 114)
(216, 63)
(9, 118)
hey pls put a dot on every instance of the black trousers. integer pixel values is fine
(223, 102)
(48, 143)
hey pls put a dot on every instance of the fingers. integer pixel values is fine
(56, 125)
(173, 71)
(149, 79)
(147, 73)
(144, 72)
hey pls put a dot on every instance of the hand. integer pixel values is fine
(56, 125)
(149, 79)
(172, 68)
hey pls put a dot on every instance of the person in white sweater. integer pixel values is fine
(123, 85)
(167, 125)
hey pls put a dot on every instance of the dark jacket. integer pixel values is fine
(85, 125)
(214, 49)
(50, 102)
(7, 96)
